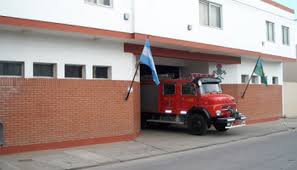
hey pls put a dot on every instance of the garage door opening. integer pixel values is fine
(166, 69)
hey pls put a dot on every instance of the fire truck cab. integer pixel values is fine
(196, 103)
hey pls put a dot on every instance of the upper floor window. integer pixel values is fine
(210, 14)
(285, 32)
(100, 2)
(11, 68)
(270, 31)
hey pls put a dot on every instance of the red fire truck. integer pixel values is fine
(197, 103)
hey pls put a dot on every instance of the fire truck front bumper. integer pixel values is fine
(232, 122)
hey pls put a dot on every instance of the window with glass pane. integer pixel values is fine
(101, 72)
(43, 70)
(215, 16)
(74, 71)
(203, 13)
(275, 80)
(188, 89)
(210, 14)
(11, 68)
(263, 80)
(270, 31)
(244, 78)
(169, 89)
(105, 2)
(255, 79)
(91, 1)
(285, 31)
(100, 2)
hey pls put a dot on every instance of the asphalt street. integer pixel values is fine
(273, 152)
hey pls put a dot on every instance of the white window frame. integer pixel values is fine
(209, 4)
(100, 4)
(277, 80)
(109, 75)
(246, 76)
(83, 76)
(255, 79)
(54, 70)
(285, 28)
(270, 39)
(15, 76)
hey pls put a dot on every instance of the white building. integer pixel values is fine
(66, 65)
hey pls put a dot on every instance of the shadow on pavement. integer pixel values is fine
(173, 129)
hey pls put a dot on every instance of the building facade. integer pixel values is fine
(290, 88)
(65, 66)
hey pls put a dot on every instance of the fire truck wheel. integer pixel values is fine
(220, 127)
(197, 124)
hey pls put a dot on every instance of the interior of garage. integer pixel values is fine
(174, 68)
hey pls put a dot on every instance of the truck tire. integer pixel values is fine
(220, 127)
(197, 124)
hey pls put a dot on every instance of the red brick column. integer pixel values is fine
(54, 113)
(261, 103)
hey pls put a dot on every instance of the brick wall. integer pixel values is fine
(260, 102)
(41, 111)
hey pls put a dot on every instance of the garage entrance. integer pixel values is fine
(166, 69)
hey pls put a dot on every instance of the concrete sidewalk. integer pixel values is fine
(150, 143)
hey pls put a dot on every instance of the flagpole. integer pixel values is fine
(129, 91)
(246, 87)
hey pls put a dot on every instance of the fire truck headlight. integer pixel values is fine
(218, 113)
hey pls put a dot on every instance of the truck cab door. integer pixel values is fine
(168, 98)
(188, 97)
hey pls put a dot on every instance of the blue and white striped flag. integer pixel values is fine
(147, 59)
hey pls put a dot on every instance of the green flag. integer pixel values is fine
(260, 71)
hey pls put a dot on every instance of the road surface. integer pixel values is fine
(274, 152)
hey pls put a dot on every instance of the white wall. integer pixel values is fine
(290, 72)
(234, 71)
(243, 20)
(73, 12)
(28, 47)
(244, 24)
(290, 98)
(271, 69)
(33, 47)
(231, 73)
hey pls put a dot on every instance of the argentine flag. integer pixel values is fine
(147, 59)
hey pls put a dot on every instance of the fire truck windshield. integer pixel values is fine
(210, 88)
